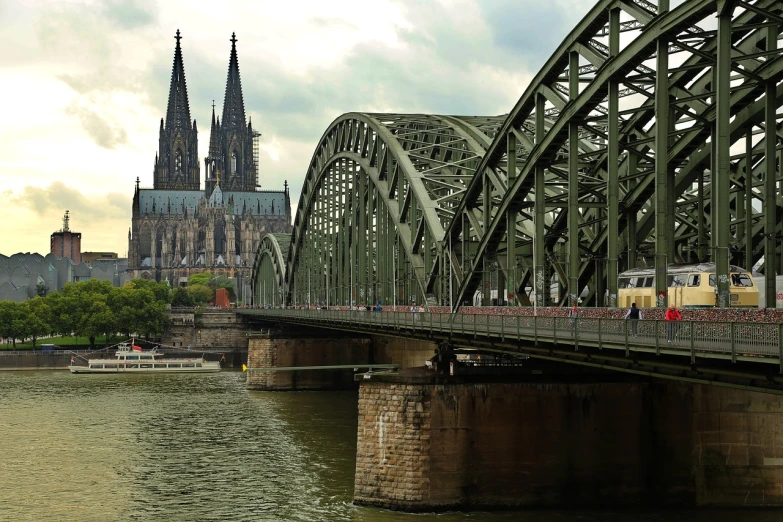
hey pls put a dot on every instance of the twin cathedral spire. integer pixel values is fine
(230, 163)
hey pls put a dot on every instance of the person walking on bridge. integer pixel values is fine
(574, 316)
(672, 317)
(633, 315)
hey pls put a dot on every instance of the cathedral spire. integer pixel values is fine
(177, 166)
(214, 135)
(233, 103)
(178, 112)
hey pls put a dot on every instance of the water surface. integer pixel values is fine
(203, 448)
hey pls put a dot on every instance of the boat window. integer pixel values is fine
(188, 365)
(198, 365)
(741, 280)
(175, 365)
(96, 366)
(145, 366)
(111, 366)
(160, 365)
(132, 366)
(694, 279)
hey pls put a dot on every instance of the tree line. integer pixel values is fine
(94, 308)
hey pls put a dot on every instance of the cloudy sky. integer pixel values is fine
(85, 85)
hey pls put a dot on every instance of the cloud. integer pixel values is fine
(106, 67)
(101, 131)
(58, 197)
(129, 14)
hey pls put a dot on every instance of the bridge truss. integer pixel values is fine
(651, 136)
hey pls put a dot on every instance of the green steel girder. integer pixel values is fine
(603, 155)
(268, 277)
(379, 190)
(685, 92)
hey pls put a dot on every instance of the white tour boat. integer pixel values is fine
(131, 358)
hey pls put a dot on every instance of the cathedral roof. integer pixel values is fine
(178, 112)
(216, 198)
(266, 203)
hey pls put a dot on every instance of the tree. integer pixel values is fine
(154, 319)
(201, 294)
(138, 309)
(36, 317)
(182, 297)
(97, 319)
(9, 312)
(221, 281)
(41, 289)
(161, 291)
(214, 282)
(202, 278)
(65, 313)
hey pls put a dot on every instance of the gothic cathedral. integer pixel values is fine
(178, 229)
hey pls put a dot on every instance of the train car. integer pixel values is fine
(689, 286)
(760, 284)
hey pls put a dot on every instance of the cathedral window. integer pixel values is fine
(233, 162)
(178, 161)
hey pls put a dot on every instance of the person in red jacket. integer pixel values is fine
(672, 316)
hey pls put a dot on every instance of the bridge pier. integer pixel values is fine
(287, 349)
(427, 442)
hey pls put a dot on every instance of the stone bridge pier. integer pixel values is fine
(427, 443)
(307, 347)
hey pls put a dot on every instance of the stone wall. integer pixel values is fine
(213, 328)
(393, 446)
(271, 351)
(738, 447)
(35, 361)
(424, 446)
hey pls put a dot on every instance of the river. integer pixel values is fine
(203, 448)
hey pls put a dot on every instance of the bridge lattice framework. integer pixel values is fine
(650, 136)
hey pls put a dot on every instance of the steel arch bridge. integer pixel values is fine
(651, 136)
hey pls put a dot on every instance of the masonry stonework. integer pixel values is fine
(210, 329)
(271, 351)
(424, 446)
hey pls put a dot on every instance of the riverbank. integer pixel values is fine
(35, 360)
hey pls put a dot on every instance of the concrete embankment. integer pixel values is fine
(35, 360)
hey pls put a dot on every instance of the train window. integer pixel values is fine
(741, 280)
(676, 280)
(712, 279)
(648, 282)
(624, 282)
(694, 280)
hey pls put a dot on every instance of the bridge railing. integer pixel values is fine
(760, 342)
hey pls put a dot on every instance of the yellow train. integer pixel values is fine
(689, 286)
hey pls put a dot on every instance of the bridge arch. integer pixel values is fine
(650, 136)
(599, 187)
(268, 276)
(378, 193)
